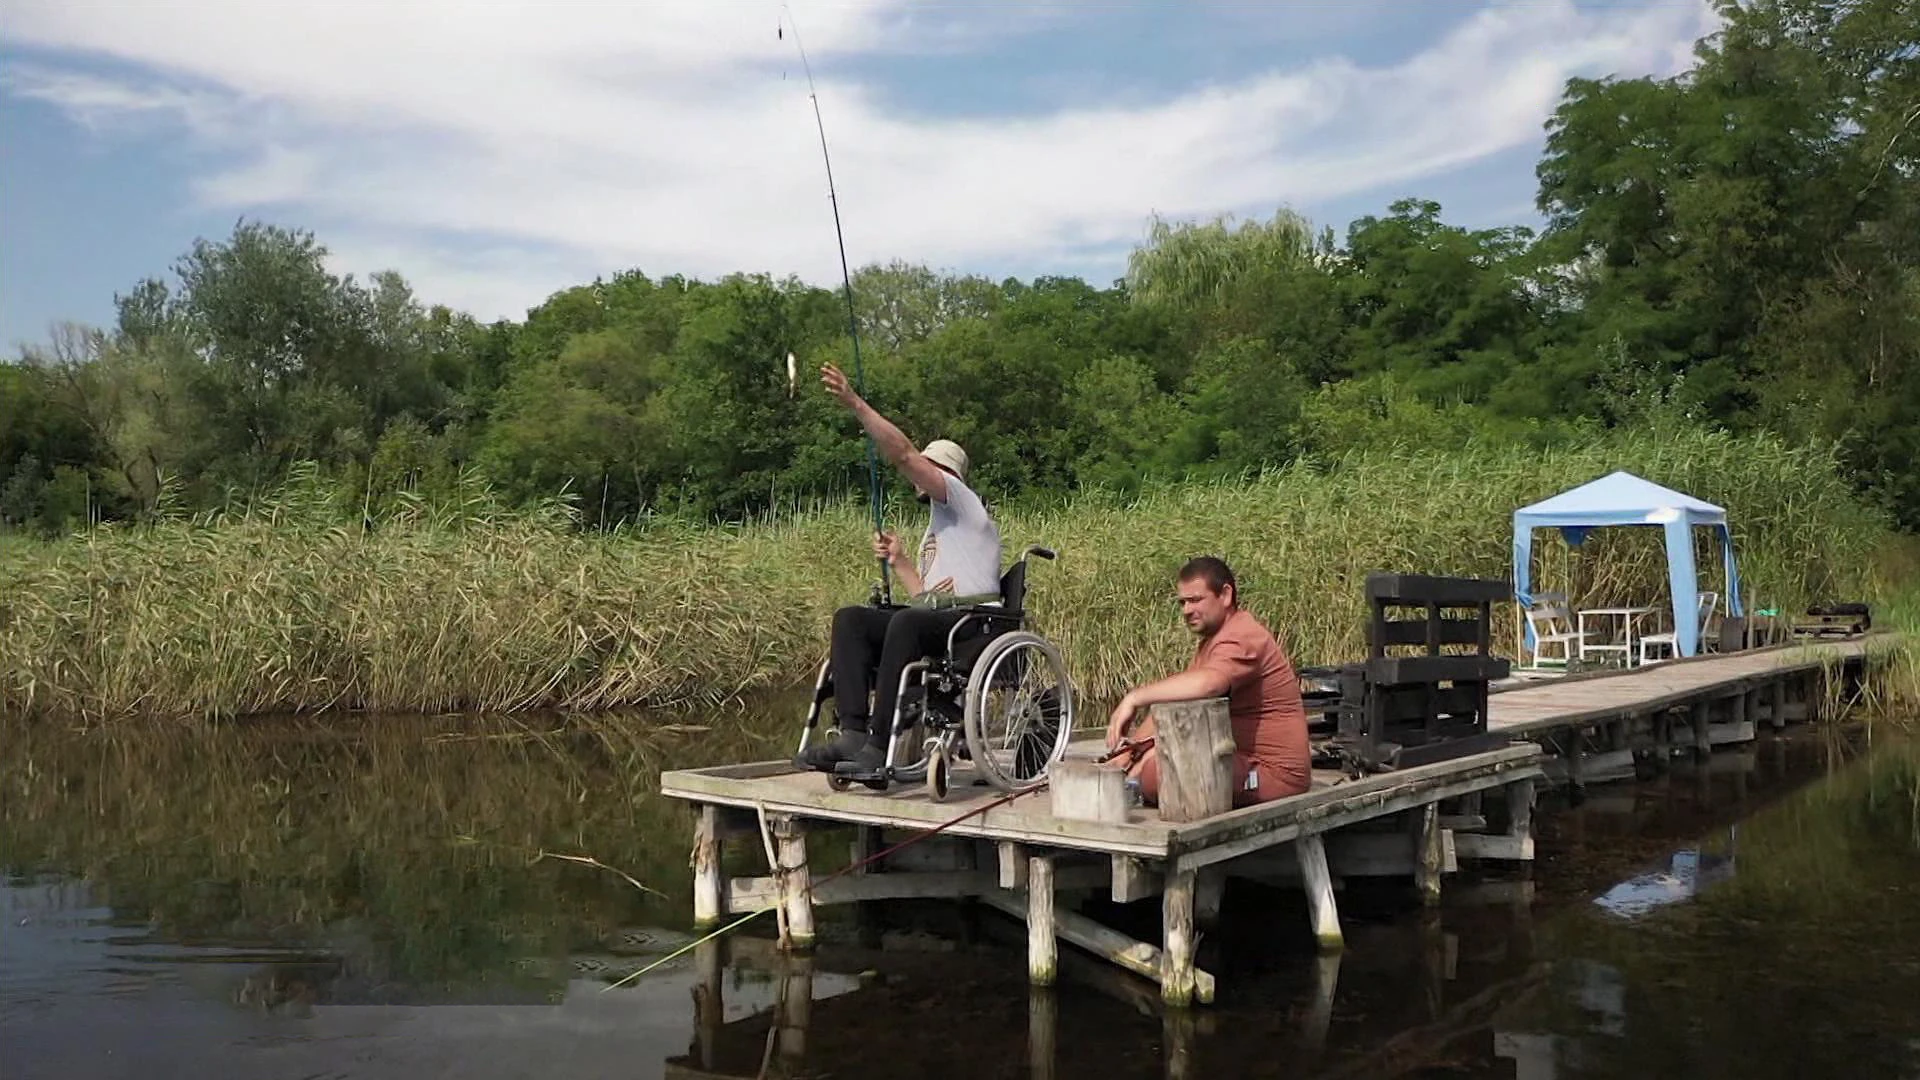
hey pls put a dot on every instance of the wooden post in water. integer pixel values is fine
(707, 888)
(794, 881)
(1176, 960)
(1193, 741)
(1194, 744)
(1312, 853)
(1043, 955)
(1427, 853)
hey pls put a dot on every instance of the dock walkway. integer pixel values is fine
(1413, 823)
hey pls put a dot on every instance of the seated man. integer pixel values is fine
(959, 563)
(1236, 658)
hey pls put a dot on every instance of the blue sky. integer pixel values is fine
(494, 153)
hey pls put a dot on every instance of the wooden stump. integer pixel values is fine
(1193, 743)
(1088, 791)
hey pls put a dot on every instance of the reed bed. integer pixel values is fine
(276, 607)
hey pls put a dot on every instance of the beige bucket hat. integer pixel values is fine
(947, 454)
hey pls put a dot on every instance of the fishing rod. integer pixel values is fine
(875, 494)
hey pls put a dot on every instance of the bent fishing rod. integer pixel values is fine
(875, 494)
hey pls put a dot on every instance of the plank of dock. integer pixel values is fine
(1333, 803)
(1542, 706)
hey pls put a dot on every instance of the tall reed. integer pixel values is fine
(467, 605)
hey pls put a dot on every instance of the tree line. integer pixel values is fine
(1737, 246)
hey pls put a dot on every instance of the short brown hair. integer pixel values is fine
(1215, 572)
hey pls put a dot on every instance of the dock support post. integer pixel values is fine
(1176, 958)
(1312, 853)
(706, 868)
(1209, 890)
(1777, 704)
(1428, 853)
(1043, 955)
(794, 881)
(1663, 740)
(1702, 741)
(1520, 798)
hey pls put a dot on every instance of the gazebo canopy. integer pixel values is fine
(1621, 498)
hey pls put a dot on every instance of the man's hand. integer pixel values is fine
(1120, 720)
(888, 548)
(836, 383)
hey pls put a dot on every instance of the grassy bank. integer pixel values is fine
(280, 608)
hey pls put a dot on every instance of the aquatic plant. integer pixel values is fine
(465, 603)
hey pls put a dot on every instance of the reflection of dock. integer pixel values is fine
(1336, 1022)
(1017, 856)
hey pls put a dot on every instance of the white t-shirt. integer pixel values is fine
(960, 554)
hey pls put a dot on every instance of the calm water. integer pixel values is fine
(375, 898)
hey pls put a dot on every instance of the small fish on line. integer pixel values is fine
(793, 373)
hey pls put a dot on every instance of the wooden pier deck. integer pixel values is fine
(1413, 823)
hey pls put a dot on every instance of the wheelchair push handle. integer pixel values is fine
(1042, 552)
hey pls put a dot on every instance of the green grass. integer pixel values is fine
(470, 606)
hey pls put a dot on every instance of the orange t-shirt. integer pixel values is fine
(1263, 698)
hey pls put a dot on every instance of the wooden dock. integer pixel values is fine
(1594, 727)
(1415, 823)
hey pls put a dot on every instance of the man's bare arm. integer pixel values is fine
(890, 441)
(1186, 686)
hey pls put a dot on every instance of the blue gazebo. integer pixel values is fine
(1621, 498)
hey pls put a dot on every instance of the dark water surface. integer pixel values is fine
(376, 897)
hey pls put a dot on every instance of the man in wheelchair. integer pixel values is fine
(958, 565)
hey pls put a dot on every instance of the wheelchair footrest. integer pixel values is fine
(877, 779)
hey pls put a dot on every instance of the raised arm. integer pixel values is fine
(892, 443)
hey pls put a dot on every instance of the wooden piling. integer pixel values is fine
(1176, 957)
(1043, 956)
(1428, 852)
(1311, 851)
(706, 868)
(794, 881)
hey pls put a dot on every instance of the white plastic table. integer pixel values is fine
(1627, 616)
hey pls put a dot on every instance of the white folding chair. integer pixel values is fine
(1704, 614)
(1552, 624)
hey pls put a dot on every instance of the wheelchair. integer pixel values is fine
(997, 700)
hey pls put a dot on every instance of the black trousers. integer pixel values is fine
(871, 646)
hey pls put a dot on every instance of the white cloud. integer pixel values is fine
(565, 139)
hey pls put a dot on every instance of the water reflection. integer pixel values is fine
(1685, 874)
(368, 898)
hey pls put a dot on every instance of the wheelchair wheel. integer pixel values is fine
(1019, 711)
(938, 771)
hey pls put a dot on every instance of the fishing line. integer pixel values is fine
(875, 493)
(868, 861)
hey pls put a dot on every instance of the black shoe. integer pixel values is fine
(822, 757)
(867, 761)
